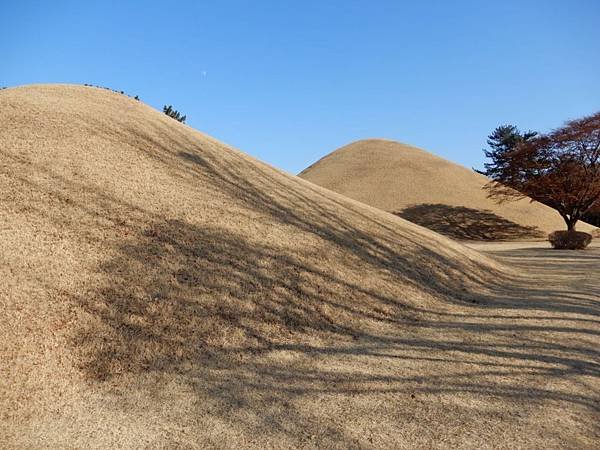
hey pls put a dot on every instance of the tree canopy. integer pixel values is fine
(560, 169)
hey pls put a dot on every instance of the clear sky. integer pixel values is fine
(290, 81)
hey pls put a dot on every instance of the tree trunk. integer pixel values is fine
(570, 220)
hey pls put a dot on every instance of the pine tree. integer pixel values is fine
(173, 113)
(504, 139)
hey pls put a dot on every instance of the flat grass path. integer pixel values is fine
(529, 373)
(519, 368)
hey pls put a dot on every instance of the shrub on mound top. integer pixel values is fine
(570, 240)
(174, 114)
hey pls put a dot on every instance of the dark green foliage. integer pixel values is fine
(502, 140)
(173, 113)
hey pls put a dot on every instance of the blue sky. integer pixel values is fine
(290, 81)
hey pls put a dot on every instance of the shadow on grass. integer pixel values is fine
(212, 307)
(460, 222)
(208, 305)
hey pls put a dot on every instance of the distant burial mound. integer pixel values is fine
(429, 191)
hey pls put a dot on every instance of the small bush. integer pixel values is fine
(110, 89)
(173, 113)
(570, 240)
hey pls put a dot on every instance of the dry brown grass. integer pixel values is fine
(160, 289)
(430, 191)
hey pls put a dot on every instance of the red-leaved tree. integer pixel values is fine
(560, 169)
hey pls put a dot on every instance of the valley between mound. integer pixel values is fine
(430, 191)
(162, 289)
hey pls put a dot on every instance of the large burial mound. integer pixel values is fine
(431, 191)
(160, 289)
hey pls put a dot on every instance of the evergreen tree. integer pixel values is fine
(173, 113)
(504, 139)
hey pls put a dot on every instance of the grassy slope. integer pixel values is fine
(429, 190)
(161, 288)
